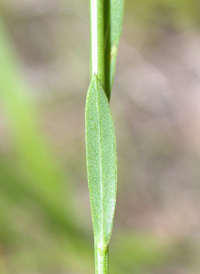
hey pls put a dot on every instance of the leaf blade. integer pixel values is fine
(101, 161)
(113, 12)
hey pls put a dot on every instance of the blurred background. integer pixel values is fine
(45, 220)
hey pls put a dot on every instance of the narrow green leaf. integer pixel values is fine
(113, 14)
(101, 161)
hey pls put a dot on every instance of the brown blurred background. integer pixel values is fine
(45, 220)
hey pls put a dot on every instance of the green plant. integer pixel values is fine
(38, 228)
(106, 24)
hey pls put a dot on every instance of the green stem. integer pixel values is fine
(101, 260)
(98, 67)
(97, 39)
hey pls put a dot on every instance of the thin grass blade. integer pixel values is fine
(113, 12)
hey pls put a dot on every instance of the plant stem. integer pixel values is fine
(98, 67)
(101, 260)
(97, 39)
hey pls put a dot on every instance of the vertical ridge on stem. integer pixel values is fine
(97, 39)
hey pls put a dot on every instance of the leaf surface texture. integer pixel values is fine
(101, 161)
